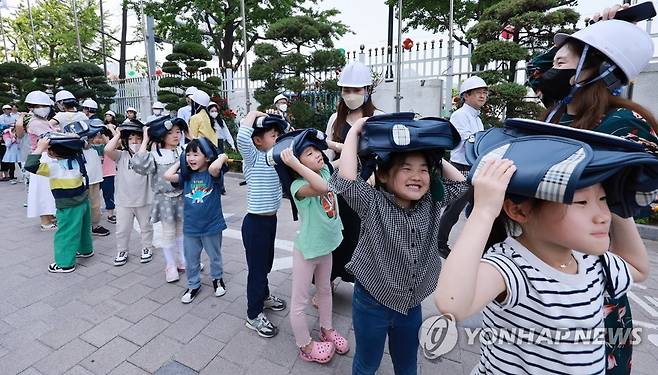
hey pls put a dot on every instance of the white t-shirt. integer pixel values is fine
(541, 299)
(185, 113)
(93, 166)
(467, 122)
(131, 189)
(65, 118)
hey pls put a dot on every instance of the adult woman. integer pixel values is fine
(200, 125)
(355, 102)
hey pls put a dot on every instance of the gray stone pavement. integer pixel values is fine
(127, 320)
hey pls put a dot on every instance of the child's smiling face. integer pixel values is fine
(196, 160)
(408, 180)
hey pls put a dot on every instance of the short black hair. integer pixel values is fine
(63, 152)
(259, 132)
(195, 146)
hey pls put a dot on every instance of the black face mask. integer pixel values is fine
(555, 84)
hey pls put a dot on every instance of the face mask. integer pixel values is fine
(157, 112)
(353, 101)
(42, 112)
(282, 107)
(134, 147)
(213, 114)
(555, 84)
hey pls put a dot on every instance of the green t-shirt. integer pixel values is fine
(321, 229)
(619, 122)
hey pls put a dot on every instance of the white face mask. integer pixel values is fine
(353, 101)
(41, 112)
(134, 147)
(213, 114)
(282, 107)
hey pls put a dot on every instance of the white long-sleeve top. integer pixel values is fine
(224, 133)
(467, 122)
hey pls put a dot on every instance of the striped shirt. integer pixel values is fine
(544, 301)
(263, 186)
(66, 181)
(396, 258)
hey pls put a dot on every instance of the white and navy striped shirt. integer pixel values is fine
(542, 299)
(263, 186)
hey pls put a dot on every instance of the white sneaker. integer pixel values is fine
(220, 288)
(147, 255)
(121, 258)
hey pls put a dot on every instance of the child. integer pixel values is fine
(201, 178)
(535, 279)
(13, 154)
(395, 258)
(320, 233)
(255, 138)
(109, 171)
(133, 192)
(167, 207)
(73, 237)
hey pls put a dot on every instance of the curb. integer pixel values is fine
(648, 232)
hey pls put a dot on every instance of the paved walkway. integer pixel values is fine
(128, 320)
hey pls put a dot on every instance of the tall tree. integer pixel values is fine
(55, 32)
(434, 15)
(217, 23)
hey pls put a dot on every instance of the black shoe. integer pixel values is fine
(274, 303)
(88, 255)
(220, 288)
(112, 219)
(100, 231)
(54, 268)
(189, 295)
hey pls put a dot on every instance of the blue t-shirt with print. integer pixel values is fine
(202, 209)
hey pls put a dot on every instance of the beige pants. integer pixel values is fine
(95, 200)
(125, 219)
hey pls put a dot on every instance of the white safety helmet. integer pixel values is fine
(279, 97)
(472, 83)
(6, 106)
(90, 103)
(131, 109)
(158, 105)
(38, 98)
(355, 74)
(201, 98)
(625, 44)
(63, 95)
(111, 113)
(190, 91)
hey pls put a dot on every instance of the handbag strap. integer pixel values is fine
(606, 274)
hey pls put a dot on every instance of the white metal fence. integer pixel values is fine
(425, 60)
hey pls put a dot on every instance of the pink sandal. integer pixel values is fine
(322, 352)
(340, 343)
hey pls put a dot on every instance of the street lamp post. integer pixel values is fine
(244, 61)
(103, 37)
(34, 38)
(77, 30)
(449, 72)
(398, 96)
(146, 50)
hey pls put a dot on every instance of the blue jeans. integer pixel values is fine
(372, 322)
(192, 246)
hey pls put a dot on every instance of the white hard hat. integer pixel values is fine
(628, 46)
(131, 109)
(190, 91)
(6, 106)
(355, 74)
(279, 97)
(111, 113)
(472, 83)
(200, 97)
(158, 105)
(63, 95)
(90, 103)
(38, 98)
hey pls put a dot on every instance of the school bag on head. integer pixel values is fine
(74, 145)
(297, 140)
(131, 126)
(400, 132)
(554, 161)
(158, 129)
(84, 129)
(208, 149)
(271, 121)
